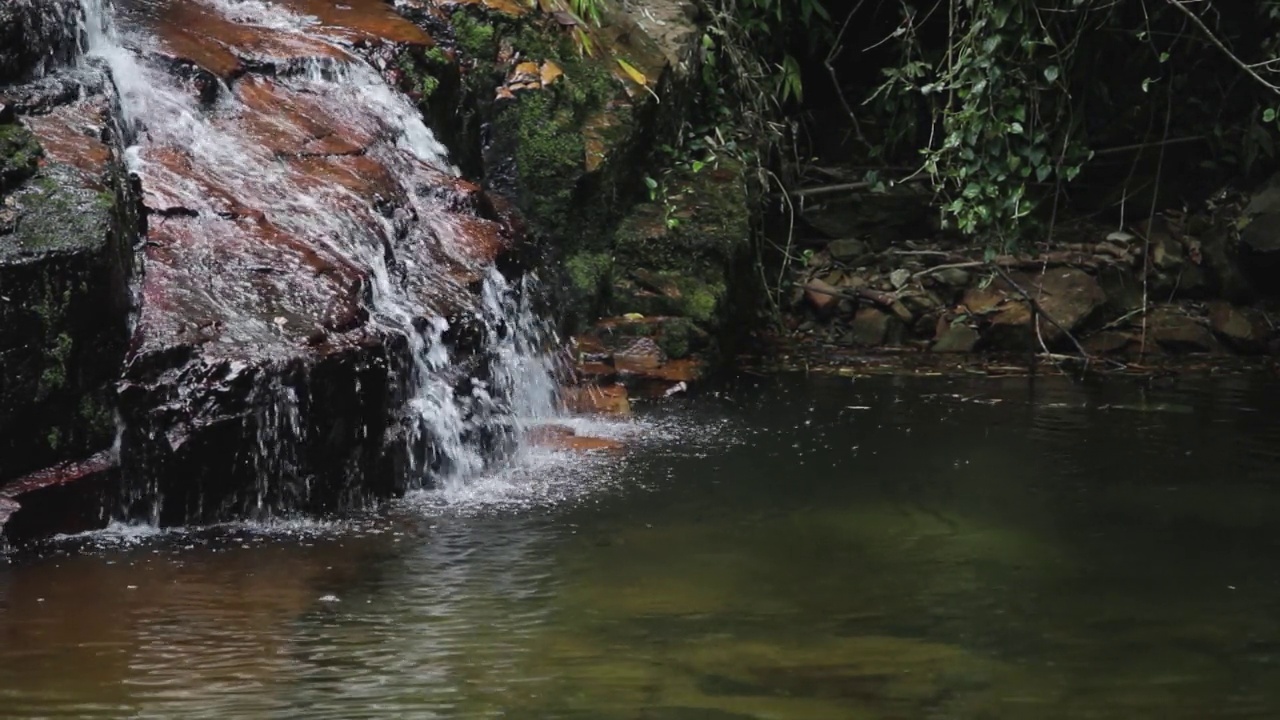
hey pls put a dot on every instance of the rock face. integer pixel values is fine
(65, 254)
(36, 36)
(317, 300)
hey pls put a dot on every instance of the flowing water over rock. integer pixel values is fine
(881, 548)
(326, 311)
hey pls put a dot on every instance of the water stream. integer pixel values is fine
(197, 160)
(793, 549)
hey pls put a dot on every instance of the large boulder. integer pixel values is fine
(1069, 296)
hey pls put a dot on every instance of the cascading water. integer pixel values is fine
(410, 257)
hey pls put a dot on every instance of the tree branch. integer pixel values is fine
(1213, 38)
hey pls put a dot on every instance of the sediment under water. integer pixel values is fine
(793, 548)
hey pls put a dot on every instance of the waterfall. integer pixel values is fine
(412, 260)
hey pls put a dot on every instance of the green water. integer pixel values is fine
(795, 549)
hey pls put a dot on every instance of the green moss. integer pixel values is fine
(57, 360)
(96, 415)
(702, 301)
(58, 218)
(474, 36)
(435, 56)
(588, 271)
(19, 155)
(549, 157)
(676, 338)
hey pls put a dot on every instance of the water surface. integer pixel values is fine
(793, 548)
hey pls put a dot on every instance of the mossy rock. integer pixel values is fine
(63, 321)
(19, 156)
(676, 295)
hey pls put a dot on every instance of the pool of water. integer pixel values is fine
(795, 548)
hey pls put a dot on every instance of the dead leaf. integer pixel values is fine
(525, 72)
(550, 73)
(633, 73)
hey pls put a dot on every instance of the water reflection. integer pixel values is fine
(881, 548)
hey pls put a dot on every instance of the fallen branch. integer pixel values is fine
(948, 266)
(863, 185)
(875, 296)
(1213, 38)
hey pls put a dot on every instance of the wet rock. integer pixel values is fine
(1070, 296)
(562, 437)
(1241, 328)
(899, 277)
(822, 296)
(1229, 272)
(870, 327)
(847, 250)
(1166, 252)
(953, 277)
(67, 498)
(1122, 288)
(639, 356)
(1229, 322)
(1176, 331)
(605, 400)
(920, 303)
(65, 255)
(36, 36)
(19, 155)
(1111, 342)
(958, 338)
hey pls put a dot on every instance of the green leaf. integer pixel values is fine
(1269, 115)
(1051, 73)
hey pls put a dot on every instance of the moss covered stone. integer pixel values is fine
(63, 269)
(589, 272)
(572, 154)
(19, 155)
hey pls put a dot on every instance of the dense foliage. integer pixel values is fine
(1012, 109)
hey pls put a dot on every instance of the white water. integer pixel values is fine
(159, 112)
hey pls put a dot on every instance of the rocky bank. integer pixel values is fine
(1207, 280)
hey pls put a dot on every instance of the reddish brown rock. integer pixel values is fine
(1068, 295)
(291, 121)
(640, 355)
(67, 498)
(1174, 330)
(606, 400)
(1111, 342)
(561, 437)
(195, 33)
(822, 296)
(73, 136)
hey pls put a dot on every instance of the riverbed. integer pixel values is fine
(791, 547)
